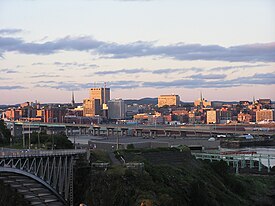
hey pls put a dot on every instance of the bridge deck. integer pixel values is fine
(39, 153)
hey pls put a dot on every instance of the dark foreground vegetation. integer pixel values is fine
(170, 177)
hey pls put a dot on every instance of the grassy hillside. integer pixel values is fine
(167, 181)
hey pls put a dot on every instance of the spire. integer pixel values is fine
(254, 99)
(73, 102)
(201, 100)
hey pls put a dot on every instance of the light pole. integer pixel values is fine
(29, 128)
(23, 135)
(38, 137)
(52, 139)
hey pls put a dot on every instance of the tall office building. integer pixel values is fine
(168, 100)
(116, 109)
(103, 94)
(91, 107)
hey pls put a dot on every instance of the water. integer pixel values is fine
(260, 150)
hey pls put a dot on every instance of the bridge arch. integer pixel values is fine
(34, 189)
(49, 171)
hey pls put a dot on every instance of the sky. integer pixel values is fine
(140, 48)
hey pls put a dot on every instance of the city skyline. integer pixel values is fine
(226, 49)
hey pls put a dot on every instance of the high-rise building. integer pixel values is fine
(212, 117)
(103, 94)
(91, 107)
(265, 115)
(168, 100)
(116, 109)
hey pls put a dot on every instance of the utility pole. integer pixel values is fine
(117, 141)
(23, 135)
(29, 128)
(52, 139)
(38, 137)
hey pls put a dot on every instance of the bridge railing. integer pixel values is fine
(39, 153)
(234, 159)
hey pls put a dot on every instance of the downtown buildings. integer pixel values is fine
(166, 109)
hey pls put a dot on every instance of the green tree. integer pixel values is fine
(5, 134)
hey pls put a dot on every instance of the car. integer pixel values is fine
(211, 139)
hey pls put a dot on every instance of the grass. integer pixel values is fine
(101, 156)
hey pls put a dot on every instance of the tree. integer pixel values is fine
(5, 134)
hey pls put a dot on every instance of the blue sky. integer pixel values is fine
(226, 49)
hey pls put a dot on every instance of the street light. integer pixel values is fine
(29, 128)
(52, 139)
(38, 137)
(23, 135)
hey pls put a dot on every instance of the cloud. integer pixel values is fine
(69, 86)
(44, 76)
(177, 70)
(201, 82)
(11, 87)
(264, 76)
(227, 68)
(38, 63)
(4, 78)
(207, 76)
(260, 52)
(10, 31)
(125, 71)
(66, 65)
(8, 71)
(180, 71)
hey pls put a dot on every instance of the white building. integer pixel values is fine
(116, 109)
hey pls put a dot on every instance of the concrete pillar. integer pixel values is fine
(243, 162)
(137, 132)
(268, 163)
(124, 131)
(251, 163)
(260, 164)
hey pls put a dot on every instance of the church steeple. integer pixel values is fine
(201, 100)
(73, 102)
